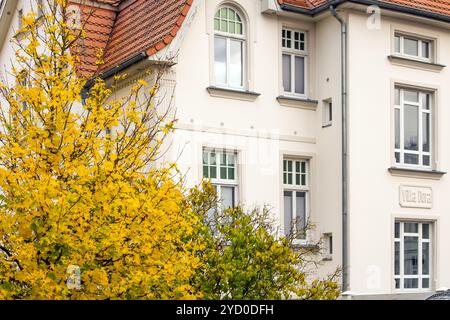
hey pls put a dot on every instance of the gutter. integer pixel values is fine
(345, 269)
(113, 71)
(382, 5)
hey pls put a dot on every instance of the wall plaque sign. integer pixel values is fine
(416, 197)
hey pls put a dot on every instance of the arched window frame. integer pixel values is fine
(230, 39)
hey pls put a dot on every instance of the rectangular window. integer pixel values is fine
(413, 47)
(327, 114)
(293, 45)
(20, 18)
(413, 127)
(328, 246)
(221, 168)
(229, 62)
(295, 197)
(412, 255)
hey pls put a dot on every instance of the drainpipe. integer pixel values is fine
(345, 271)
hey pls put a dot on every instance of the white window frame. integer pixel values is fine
(402, 36)
(294, 188)
(328, 247)
(419, 275)
(232, 37)
(327, 113)
(19, 19)
(292, 52)
(401, 150)
(218, 182)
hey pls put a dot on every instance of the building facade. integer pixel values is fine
(331, 113)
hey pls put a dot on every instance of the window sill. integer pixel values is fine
(416, 173)
(303, 244)
(417, 64)
(301, 103)
(327, 125)
(232, 93)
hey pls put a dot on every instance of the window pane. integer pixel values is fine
(411, 96)
(397, 157)
(425, 258)
(217, 24)
(411, 283)
(397, 44)
(426, 132)
(397, 283)
(299, 75)
(411, 254)
(231, 160)
(300, 214)
(425, 49)
(297, 166)
(287, 73)
(231, 173)
(205, 172)
(397, 230)
(411, 227)
(223, 26)
(397, 128)
(397, 258)
(425, 231)
(397, 96)
(411, 124)
(411, 46)
(223, 13)
(426, 101)
(220, 60)
(289, 172)
(236, 60)
(426, 160)
(223, 173)
(213, 168)
(231, 14)
(287, 212)
(425, 283)
(231, 27)
(411, 158)
(239, 28)
(227, 197)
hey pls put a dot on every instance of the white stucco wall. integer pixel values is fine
(374, 192)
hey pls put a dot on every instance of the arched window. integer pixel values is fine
(229, 48)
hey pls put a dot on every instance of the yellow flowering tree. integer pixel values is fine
(80, 193)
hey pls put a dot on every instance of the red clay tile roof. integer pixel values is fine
(144, 26)
(98, 27)
(436, 6)
(126, 29)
